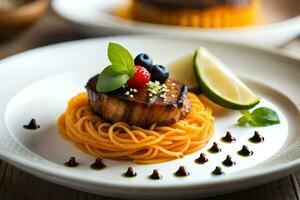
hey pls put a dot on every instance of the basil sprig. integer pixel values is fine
(119, 72)
(259, 117)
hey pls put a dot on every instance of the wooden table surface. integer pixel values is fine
(15, 184)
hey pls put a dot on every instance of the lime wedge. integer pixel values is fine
(182, 70)
(219, 84)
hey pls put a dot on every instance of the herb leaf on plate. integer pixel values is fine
(120, 58)
(259, 117)
(119, 72)
(110, 80)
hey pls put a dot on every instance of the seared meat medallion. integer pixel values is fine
(140, 107)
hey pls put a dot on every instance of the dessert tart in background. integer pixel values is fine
(193, 13)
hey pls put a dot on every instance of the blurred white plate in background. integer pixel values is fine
(93, 17)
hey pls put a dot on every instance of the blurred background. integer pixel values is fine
(27, 24)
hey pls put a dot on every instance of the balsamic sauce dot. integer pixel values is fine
(155, 175)
(245, 151)
(130, 172)
(257, 138)
(202, 159)
(215, 148)
(228, 138)
(98, 164)
(218, 171)
(72, 162)
(182, 172)
(228, 162)
(32, 125)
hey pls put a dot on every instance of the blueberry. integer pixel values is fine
(144, 60)
(159, 73)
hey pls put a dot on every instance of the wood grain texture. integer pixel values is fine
(18, 185)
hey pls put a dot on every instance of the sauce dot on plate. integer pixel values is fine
(181, 172)
(98, 164)
(130, 172)
(202, 159)
(72, 162)
(257, 138)
(218, 171)
(228, 138)
(228, 162)
(155, 175)
(32, 125)
(215, 148)
(245, 151)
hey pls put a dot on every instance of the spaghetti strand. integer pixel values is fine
(93, 135)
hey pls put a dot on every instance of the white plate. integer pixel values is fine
(93, 17)
(39, 82)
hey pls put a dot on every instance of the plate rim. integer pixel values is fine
(52, 173)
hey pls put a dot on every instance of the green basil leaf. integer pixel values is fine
(243, 120)
(245, 112)
(259, 117)
(257, 123)
(263, 117)
(121, 59)
(110, 79)
(266, 113)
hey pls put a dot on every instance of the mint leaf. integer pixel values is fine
(121, 59)
(259, 117)
(110, 79)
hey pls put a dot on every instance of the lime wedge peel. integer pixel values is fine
(219, 84)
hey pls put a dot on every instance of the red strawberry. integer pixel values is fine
(140, 78)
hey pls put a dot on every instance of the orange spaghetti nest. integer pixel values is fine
(95, 136)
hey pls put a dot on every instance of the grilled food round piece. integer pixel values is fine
(138, 107)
